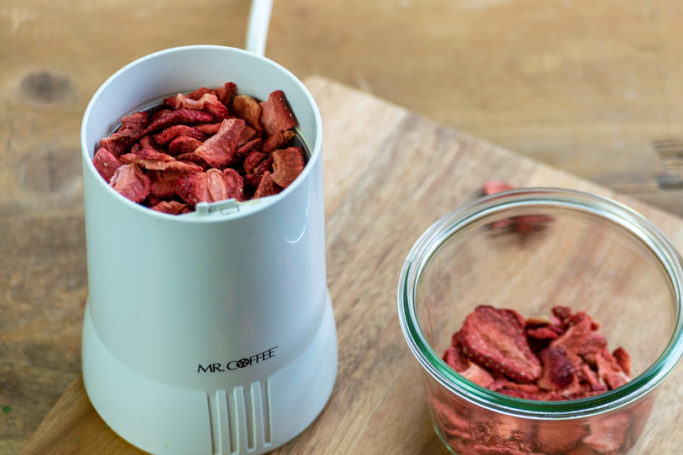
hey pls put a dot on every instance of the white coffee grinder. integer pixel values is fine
(211, 332)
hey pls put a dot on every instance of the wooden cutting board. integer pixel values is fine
(389, 174)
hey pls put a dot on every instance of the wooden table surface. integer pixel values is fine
(592, 88)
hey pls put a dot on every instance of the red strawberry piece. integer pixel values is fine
(171, 207)
(558, 371)
(253, 179)
(181, 116)
(210, 186)
(130, 181)
(219, 149)
(513, 389)
(276, 114)
(245, 149)
(609, 371)
(581, 339)
(588, 377)
(174, 131)
(185, 167)
(266, 186)
(105, 163)
(252, 161)
(209, 129)
(132, 127)
(248, 109)
(183, 144)
(201, 91)
(248, 133)
(277, 140)
(623, 359)
(287, 165)
(455, 359)
(560, 436)
(580, 317)
(207, 103)
(163, 183)
(194, 95)
(193, 158)
(494, 186)
(234, 184)
(158, 114)
(146, 151)
(563, 313)
(542, 333)
(495, 339)
(226, 92)
(162, 164)
(607, 433)
(477, 374)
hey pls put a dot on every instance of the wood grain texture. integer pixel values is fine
(402, 173)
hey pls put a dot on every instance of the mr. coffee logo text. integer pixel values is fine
(237, 364)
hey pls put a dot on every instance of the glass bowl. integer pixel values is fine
(531, 250)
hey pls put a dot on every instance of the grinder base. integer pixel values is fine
(248, 418)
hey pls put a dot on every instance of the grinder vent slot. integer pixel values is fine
(240, 422)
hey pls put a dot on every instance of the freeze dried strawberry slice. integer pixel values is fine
(208, 129)
(581, 339)
(195, 95)
(219, 149)
(181, 116)
(252, 161)
(277, 140)
(183, 144)
(542, 333)
(623, 359)
(210, 186)
(558, 371)
(226, 92)
(513, 389)
(494, 186)
(287, 165)
(607, 433)
(171, 207)
(132, 127)
(495, 338)
(163, 183)
(608, 369)
(174, 131)
(234, 184)
(245, 149)
(457, 360)
(266, 186)
(162, 164)
(275, 113)
(253, 179)
(106, 163)
(560, 436)
(130, 181)
(193, 158)
(207, 103)
(185, 167)
(248, 109)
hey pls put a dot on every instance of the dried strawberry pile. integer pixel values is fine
(561, 358)
(206, 146)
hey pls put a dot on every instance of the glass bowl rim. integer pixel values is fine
(615, 213)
